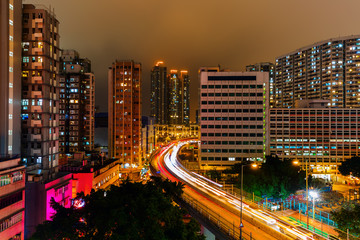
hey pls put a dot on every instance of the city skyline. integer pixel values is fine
(232, 35)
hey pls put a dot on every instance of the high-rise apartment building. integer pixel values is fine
(325, 70)
(314, 134)
(265, 67)
(12, 173)
(174, 83)
(170, 96)
(185, 97)
(40, 93)
(234, 115)
(124, 129)
(77, 103)
(159, 93)
(179, 97)
(10, 77)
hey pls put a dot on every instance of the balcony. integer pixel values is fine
(36, 109)
(35, 137)
(37, 65)
(37, 80)
(35, 152)
(37, 36)
(36, 123)
(36, 94)
(36, 51)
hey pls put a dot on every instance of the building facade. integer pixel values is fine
(234, 115)
(77, 104)
(159, 93)
(265, 67)
(12, 172)
(166, 133)
(40, 92)
(10, 77)
(185, 97)
(179, 97)
(39, 191)
(318, 136)
(170, 96)
(147, 136)
(124, 103)
(327, 70)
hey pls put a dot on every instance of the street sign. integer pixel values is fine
(241, 225)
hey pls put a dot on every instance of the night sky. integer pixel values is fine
(188, 34)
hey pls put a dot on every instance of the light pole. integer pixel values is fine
(314, 195)
(296, 162)
(254, 165)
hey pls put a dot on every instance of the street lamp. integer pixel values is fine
(254, 165)
(314, 195)
(296, 162)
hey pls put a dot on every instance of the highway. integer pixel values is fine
(258, 223)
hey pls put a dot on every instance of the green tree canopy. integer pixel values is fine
(351, 165)
(130, 211)
(275, 178)
(348, 217)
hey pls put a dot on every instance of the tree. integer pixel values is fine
(130, 211)
(348, 217)
(350, 166)
(275, 178)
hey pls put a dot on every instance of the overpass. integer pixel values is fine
(218, 210)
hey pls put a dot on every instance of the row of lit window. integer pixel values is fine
(240, 110)
(232, 134)
(233, 126)
(231, 150)
(232, 102)
(231, 143)
(258, 94)
(231, 86)
(231, 118)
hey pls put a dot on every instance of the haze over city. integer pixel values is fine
(189, 34)
(179, 120)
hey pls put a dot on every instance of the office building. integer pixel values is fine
(265, 67)
(77, 103)
(324, 70)
(159, 93)
(40, 92)
(234, 111)
(12, 172)
(124, 103)
(316, 135)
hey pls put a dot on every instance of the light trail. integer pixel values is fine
(176, 172)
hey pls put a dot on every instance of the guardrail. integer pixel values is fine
(226, 227)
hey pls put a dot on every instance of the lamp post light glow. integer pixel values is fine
(314, 195)
(253, 165)
(296, 162)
